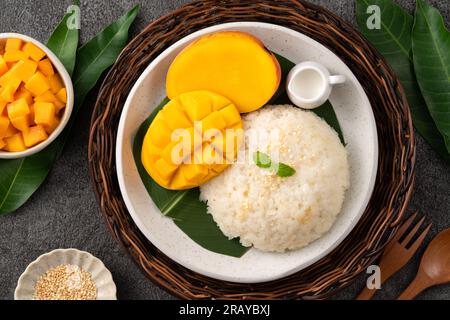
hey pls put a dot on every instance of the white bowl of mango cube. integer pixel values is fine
(36, 96)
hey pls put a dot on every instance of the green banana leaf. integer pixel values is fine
(394, 41)
(431, 52)
(184, 207)
(20, 178)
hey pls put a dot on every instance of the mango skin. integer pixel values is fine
(233, 64)
(198, 114)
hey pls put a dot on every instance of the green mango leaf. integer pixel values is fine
(101, 52)
(22, 177)
(431, 52)
(184, 207)
(394, 41)
(64, 41)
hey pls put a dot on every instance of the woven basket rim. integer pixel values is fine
(167, 278)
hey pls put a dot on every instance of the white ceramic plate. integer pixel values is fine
(355, 116)
(106, 289)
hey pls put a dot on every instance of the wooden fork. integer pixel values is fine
(397, 254)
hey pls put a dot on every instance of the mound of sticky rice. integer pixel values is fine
(275, 213)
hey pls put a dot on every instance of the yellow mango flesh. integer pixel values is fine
(18, 108)
(33, 51)
(62, 95)
(55, 83)
(37, 84)
(8, 91)
(23, 93)
(4, 124)
(44, 113)
(15, 55)
(15, 143)
(45, 66)
(233, 64)
(13, 44)
(32, 96)
(3, 66)
(173, 150)
(34, 135)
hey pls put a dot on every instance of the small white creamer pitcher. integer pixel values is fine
(309, 84)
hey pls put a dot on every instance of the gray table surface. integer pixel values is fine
(63, 213)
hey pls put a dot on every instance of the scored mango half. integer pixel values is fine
(192, 139)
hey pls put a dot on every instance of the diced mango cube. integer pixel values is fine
(10, 131)
(62, 95)
(10, 89)
(15, 143)
(160, 132)
(231, 115)
(45, 66)
(13, 44)
(44, 113)
(47, 96)
(210, 156)
(165, 169)
(55, 83)
(18, 108)
(153, 150)
(18, 113)
(195, 172)
(213, 121)
(2, 144)
(4, 124)
(179, 181)
(219, 102)
(33, 51)
(199, 107)
(23, 93)
(37, 84)
(3, 66)
(170, 155)
(22, 70)
(21, 123)
(59, 105)
(228, 140)
(34, 135)
(4, 79)
(53, 126)
(178, 119)
(15, 55)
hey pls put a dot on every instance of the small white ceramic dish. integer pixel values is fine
(354, 113)
(106, 289)
(70, 97)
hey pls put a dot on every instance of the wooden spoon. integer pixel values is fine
(434, 267)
